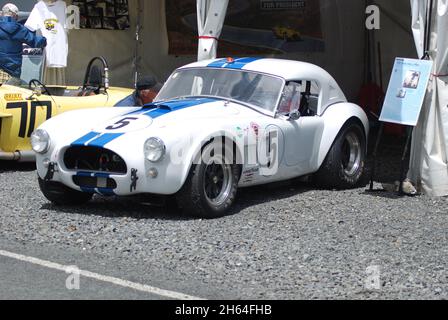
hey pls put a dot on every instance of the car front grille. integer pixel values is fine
(94, 159)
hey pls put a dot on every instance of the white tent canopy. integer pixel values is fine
(429, 165)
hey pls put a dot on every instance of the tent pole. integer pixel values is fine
(375, 155)
(403, 159)
(427, 42)
(138, 29)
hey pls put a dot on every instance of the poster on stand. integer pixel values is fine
(406, 92)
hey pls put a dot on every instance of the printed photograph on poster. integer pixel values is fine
(251, 27)
(401, 93)
(406, 92)
(105, 14)
(412, 79)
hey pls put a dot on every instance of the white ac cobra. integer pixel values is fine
(216, 126)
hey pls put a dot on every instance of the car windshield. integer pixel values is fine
(260, 90)
(17, 82)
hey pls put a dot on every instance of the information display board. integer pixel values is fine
(406, 92)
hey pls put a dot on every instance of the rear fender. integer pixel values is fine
(335, 118)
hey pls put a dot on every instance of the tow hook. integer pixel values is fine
(134, 179)
(50, 172)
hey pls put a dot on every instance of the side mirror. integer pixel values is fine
(294, 115)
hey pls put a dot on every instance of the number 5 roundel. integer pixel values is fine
(127, 123)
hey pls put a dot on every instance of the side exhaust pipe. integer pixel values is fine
(20, 156)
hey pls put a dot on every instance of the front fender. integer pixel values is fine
(194, 149)
(335, 117)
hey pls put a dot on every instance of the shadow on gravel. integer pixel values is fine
(388, 164)
(120, 208)
(382, 194)
(8, 166)
(131, 208)
(248, 197)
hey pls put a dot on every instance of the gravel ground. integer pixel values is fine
(284, 241)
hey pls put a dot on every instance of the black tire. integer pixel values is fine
(197, 196)
(344, 165)
(62, 195)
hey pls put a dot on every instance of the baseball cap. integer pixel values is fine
(10, 9)
(148, 82)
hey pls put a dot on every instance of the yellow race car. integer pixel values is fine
(25, 106)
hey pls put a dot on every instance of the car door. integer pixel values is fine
(302, 134)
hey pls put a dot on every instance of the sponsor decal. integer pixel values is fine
(251, 171)
(13, 97)
(249, 174)
(239, 132)
(255, 128)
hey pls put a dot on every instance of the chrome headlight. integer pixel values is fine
(154, 149)
(40, 141)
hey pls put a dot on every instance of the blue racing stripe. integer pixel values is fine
(104, 139)
(218, 64)
(240, 63)
(237, 64)
(88, 190)
(159, 109)
(83, 140)
(83, 174)
(93, 174)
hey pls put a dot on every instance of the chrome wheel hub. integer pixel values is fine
(351, 154)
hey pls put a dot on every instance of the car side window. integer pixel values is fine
(291, 98)
(313, 98)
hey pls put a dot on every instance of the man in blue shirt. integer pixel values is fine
(12, 37)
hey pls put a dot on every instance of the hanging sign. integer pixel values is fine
(406, 92)
(103, 14)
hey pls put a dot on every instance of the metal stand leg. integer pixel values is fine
(403, 159)
(375, 154)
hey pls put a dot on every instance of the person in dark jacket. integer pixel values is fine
(145, 93)
(12, 37)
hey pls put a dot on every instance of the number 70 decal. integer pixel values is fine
(23, 106)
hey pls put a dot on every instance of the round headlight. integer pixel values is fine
(40, 141)
(154, 149)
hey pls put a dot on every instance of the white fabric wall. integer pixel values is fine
(429, 157)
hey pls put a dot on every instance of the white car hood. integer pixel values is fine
(103, 126)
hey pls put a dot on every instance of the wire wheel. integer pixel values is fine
(217, 182)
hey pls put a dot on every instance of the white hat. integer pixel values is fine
(10, 9)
